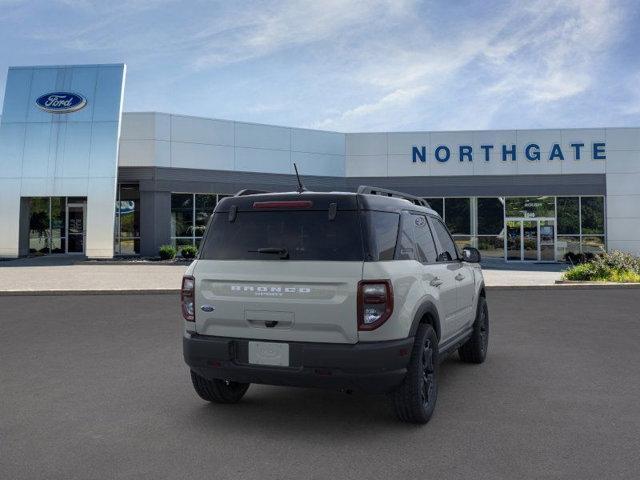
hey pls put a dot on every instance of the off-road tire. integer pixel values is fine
(415, 399)
(475, 349)
(218, 391)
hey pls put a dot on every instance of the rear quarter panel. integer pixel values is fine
(409, 293)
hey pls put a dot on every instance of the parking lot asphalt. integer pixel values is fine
(94, 387)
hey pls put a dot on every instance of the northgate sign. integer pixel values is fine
(531, 152)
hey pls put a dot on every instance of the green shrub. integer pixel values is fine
(167, 252)
(617, 260)
(188, 251)
(582, 271)
(607, 267)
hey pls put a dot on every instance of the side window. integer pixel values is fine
(448, 250)
(426, 248)
(383, 234)
(406, 249)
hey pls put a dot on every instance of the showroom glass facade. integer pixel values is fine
(57, 225)
(189, 215)
(541, 228)
(127, 220)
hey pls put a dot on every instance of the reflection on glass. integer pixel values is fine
(593, 244)
(129, 246)
(491, 246)
(204, 208)
(530, 240)
(514, 238)
(75, 236)
(181, 214)
(592, 215)
(39, 225)
(58, 217)
(547, 241)
(490, 216)
(181, 242)
(567, 244)
(530, 207)
(568, 216)
(127, 224)
(462, 241)
(58, 244)
(457, 214)
(75, 243)
(129, 211)
(436, 204)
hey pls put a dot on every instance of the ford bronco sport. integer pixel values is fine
(355, 291)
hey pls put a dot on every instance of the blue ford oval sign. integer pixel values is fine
(61, 102)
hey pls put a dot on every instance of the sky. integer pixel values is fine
(351, 65)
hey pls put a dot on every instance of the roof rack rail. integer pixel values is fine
(249, 191)
(384, 192)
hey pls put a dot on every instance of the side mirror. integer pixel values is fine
(471, 255)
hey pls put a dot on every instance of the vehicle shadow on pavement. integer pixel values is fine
(294, 411)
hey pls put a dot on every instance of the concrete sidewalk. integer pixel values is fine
(498, 273)
(65, 274)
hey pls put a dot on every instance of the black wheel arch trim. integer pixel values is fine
(427, 308)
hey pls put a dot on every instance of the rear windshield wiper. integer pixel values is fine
(284, 254)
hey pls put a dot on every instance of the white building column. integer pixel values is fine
(623, 189)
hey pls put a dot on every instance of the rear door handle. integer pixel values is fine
(436, 282)
(459, 277)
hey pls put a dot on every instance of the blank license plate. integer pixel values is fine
(269, 353)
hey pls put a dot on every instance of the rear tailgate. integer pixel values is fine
(281, 267)
(278, 300)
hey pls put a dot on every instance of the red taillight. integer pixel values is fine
(284, 204)
(187, 298)
(375, 303)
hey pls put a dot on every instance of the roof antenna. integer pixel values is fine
(300, 185)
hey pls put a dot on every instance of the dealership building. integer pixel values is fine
(79, 176)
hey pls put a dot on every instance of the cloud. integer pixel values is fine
(342, 64)
(535, 55)
(285, 25)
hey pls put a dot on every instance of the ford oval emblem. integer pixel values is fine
(61, 102)
(207, 308)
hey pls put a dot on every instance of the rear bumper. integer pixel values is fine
(373, 367)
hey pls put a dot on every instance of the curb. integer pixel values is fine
(566, 286)
(176, 291)
(23, 293)
(179, 263)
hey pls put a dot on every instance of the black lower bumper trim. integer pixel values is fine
(373, 367)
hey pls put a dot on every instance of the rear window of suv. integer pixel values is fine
(302, 235)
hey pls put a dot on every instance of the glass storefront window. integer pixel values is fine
(567, 244)
(437, 205)
(592, 214)
(491, 246)
(568, 215)
(181, 242)
(490, 216)
(48, 224)
(530, 207)
(39, 225)
(190, 213)
(181, 214)
(593, 244)
(204, 208)
(457, 212)
(127, 227)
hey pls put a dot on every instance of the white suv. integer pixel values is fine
(355, 291)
